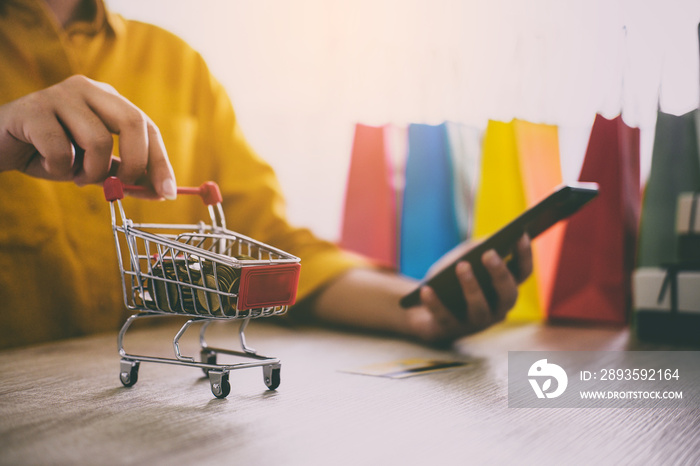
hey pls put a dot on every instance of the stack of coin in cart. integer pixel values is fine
(216, 286)
(218, 279)
(161, 290)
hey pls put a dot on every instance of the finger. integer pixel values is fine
(54, 146)
(524, 254)
(160, 172)
(478, 310)
(141, 193)
(438, 323)
(92, 136)
(503, 282)
(442, 316)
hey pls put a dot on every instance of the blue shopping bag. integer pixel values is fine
(429, 225)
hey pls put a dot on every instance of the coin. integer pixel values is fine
(193, 285)
(164, 295)
(218, 279)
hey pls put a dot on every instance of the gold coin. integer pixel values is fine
(209, 301)
(163, 294)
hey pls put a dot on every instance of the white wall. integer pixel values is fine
(301, 73)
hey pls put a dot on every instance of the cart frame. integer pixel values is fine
(203, 271)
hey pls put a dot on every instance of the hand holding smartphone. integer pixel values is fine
(563, 202)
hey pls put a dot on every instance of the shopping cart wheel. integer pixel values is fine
(128, 372)
(207, 357)
(219, 383)
(271, 375)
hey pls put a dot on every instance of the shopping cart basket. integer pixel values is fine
(202, 271)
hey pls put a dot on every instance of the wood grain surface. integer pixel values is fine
(62, 403)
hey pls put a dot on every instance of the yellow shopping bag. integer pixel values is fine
(520, 165)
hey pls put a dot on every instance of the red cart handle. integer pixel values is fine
(208, 191)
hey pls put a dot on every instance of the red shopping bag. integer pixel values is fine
(369, 218)
(593, 279)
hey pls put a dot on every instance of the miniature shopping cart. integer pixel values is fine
(202, 271)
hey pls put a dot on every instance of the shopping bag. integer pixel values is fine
(370, 214)
(593, 276)
(519, 166)
(675, 168)
(429, 226)
(538, 149)
(464, 143)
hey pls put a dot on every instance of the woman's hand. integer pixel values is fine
(366, 298)
(64, 133)
(433, 322)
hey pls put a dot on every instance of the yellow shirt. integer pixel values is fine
(58, 267)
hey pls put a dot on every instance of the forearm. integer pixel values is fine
(365, 298)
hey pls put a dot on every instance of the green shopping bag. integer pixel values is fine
(675, 168)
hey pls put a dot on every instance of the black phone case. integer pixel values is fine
(562, 203)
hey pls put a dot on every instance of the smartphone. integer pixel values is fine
(560, 204)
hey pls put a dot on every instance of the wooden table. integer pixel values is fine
(62, 403)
